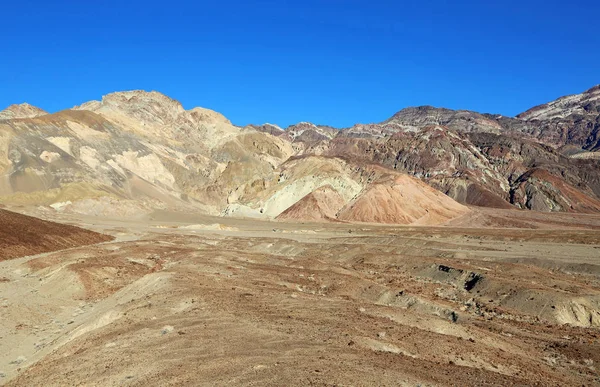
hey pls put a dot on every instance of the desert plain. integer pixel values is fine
(494, 297)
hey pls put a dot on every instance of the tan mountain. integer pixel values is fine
(23, 110)
(132, 152)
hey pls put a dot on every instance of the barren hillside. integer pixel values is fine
(25, 235)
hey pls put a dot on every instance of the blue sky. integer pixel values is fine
(329, 62)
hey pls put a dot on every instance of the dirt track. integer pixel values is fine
(210, 301)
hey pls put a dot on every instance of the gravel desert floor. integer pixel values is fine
(180, 299)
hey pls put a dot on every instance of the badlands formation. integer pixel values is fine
(134, 152)
(145, 244)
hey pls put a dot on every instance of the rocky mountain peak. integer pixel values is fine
(207, 116)
(374, 130)
(23, 110)
(593, 89)
(146, 107)
(422, 108)
(134, 97)
(563, 107)
(153, 110)
(272, 129)
(413, 118)
(309, 133)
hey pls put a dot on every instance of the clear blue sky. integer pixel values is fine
(329, 61)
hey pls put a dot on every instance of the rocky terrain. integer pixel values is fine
(133, 152)
(184, 299)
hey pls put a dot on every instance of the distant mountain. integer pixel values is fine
(267, 128)
(459, 120)
(570, 120)
(23, 110)
(135, 151)
(584, 104)
(309, 133)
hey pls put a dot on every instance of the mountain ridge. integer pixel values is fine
(135, 151)
(22, 110)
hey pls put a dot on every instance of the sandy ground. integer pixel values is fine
(181, 299)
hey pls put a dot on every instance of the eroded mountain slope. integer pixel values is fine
(131, 150)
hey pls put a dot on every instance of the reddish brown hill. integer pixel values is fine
(402, 200)
(22, 235)
(477, 195)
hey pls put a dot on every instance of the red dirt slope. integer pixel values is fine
(22, 235)
(402, 200)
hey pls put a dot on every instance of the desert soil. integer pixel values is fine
(25, 235)
(182, 299)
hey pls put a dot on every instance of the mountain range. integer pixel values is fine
(134, 152)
